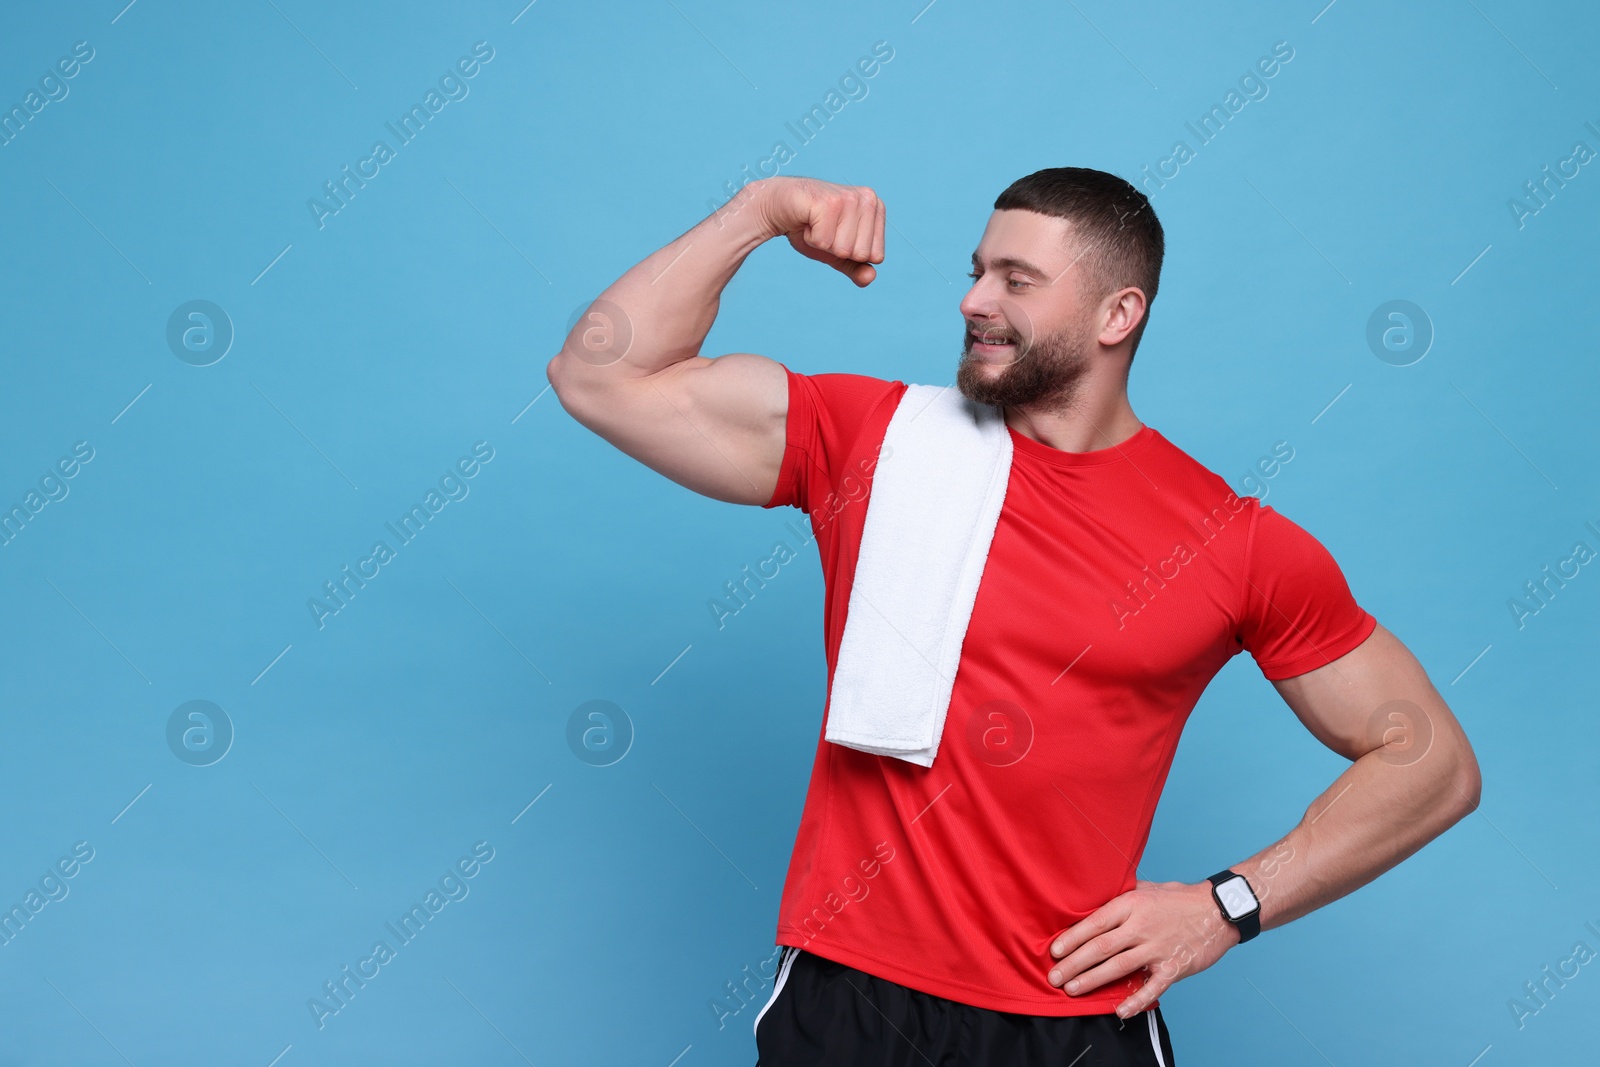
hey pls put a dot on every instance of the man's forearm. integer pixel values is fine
(1373, 816)
(668, 301)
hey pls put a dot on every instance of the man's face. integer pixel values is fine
(1027, 297)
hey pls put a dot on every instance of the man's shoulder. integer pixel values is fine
(1192, 478)
(850, 378)
(843, 399)
(845, 384)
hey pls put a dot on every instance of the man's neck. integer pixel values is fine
(1084, 426)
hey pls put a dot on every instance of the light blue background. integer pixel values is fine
(372, 753)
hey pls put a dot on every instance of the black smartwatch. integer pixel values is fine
(1238, 903)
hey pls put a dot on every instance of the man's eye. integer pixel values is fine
(975, 275)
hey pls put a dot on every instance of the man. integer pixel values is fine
(986, 909)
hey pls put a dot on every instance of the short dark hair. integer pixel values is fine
(1122, 239)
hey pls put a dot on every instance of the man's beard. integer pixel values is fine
(1045, 373)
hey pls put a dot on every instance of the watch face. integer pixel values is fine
(1236, 897)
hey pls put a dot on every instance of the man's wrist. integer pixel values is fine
(1237, 903)
(749, 208)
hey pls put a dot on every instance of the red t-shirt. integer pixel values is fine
(1118, 583)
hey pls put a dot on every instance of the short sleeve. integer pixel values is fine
(1298, 612)
(828, 413)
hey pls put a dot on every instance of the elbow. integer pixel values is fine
(553, 370)
(559, 373)
(1466, 782)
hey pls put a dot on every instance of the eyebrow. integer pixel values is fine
(1012, 262)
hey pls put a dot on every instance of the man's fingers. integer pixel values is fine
(831, 229)
(818, 236)
(865, 217)
(846, 240)
(877, 236)
(836, 224)
(866, 220)
(860, 273)
(1091, 952)
(840, 225)
(803, 245)
(1145, 995)
(869, 233)
(1096, 922)
(1119, 966)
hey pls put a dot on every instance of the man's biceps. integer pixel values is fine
(1332, 718)
(739, 389)
(1366, 698)
(1332, 701)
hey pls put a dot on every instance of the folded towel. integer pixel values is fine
(931, 514)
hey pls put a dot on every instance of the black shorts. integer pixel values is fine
(822, 1012)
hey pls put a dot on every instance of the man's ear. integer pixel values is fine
(1122, 311)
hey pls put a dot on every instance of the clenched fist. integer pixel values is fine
(840, 225)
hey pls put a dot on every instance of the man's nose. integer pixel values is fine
(979, 303)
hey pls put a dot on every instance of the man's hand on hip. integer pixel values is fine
(1168, 929)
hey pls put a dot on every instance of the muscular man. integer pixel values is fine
(986, 909)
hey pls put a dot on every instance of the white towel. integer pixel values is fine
(931, 515)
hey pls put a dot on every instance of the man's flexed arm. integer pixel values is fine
(1413, 776)
(631, 371)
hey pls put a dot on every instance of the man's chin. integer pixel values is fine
(976, 379)
(997, 359)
